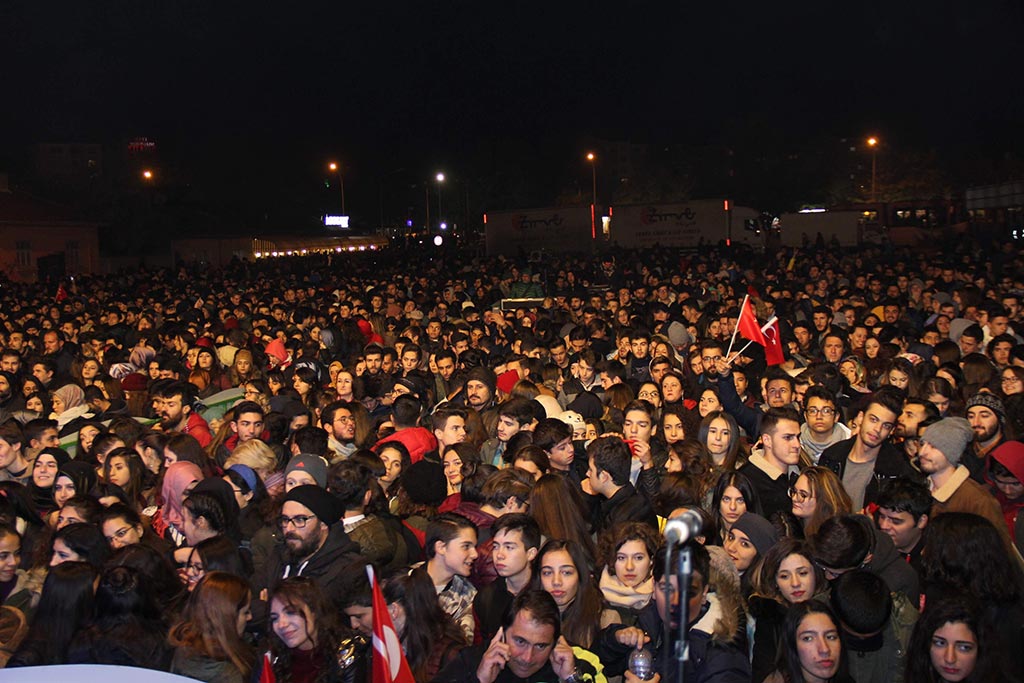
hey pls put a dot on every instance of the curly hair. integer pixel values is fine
(302, 596)
(622, 533)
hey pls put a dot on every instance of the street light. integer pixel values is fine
(440, 179)
(593, 207)
(335, 167)
(147, 175)
(873, 144)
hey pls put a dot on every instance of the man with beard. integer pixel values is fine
(375, 380)
(942, 447)
(915, 412)
(986, 413)
(315, 545)
(339, 421)
(174, 409)
(481, 383)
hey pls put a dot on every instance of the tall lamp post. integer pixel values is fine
(334, 167)
(593, 206)
(440, 179)
(873, 144)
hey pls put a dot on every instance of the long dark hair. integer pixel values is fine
(65, 606)
(960, 609)
(304, 597)
(743, 485)
(581, 618)
(966, 554)
(426, 624)
(788, 662)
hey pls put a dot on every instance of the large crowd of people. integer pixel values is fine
(503, 441)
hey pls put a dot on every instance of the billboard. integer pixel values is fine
(553, 230)
(688, 225)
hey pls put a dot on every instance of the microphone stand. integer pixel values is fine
(683, 570)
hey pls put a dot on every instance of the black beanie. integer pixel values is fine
(321, 503)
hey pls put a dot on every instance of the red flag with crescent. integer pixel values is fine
(389, 664)
(747, 323)
(773, 353)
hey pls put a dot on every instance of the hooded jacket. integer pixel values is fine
(418, 440)
(336, 566)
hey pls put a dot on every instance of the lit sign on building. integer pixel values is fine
(336, 221)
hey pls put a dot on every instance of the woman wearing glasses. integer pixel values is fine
(817, 495)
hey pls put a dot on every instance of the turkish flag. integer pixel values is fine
(267, 673)
(389, 665)
(773, 353)
(747, 323)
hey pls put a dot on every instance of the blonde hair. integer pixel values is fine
(255, 454)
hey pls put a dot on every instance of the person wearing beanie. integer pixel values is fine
(749, 539)
(481, 384)
(953, 490)
(315, 545)
(987, 415)
(305, 469)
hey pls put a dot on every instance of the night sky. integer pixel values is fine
(263, 91)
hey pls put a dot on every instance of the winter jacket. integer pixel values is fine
(891, 463)
(335, 567)
(418, 440)
(717, 651)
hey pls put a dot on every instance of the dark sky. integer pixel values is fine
(389, 85)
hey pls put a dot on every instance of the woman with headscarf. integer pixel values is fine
(69, 408)
(169, 522)
(74, 478)
(45, 468)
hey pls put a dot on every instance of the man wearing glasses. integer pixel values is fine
(315, 545)
(822, 427)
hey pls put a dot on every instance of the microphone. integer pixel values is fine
(683, 527)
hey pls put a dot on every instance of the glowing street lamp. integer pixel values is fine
(335, 167)
(147, 174)
(440, 179)
(593, 206)
(873, 144)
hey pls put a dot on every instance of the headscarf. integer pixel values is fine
(177, 478)
(81, 474)
(43, 496)
(72, 396)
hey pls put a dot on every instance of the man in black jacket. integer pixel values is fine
(866, 459)
(608, 479)
(315, 544)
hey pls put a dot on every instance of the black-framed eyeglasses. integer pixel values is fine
(299, 521)
(798, 494)
(824, 412)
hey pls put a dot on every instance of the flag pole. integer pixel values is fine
(737, 328)
(763, 328)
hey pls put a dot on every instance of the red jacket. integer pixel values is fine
(196, 427)
(417, 440)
